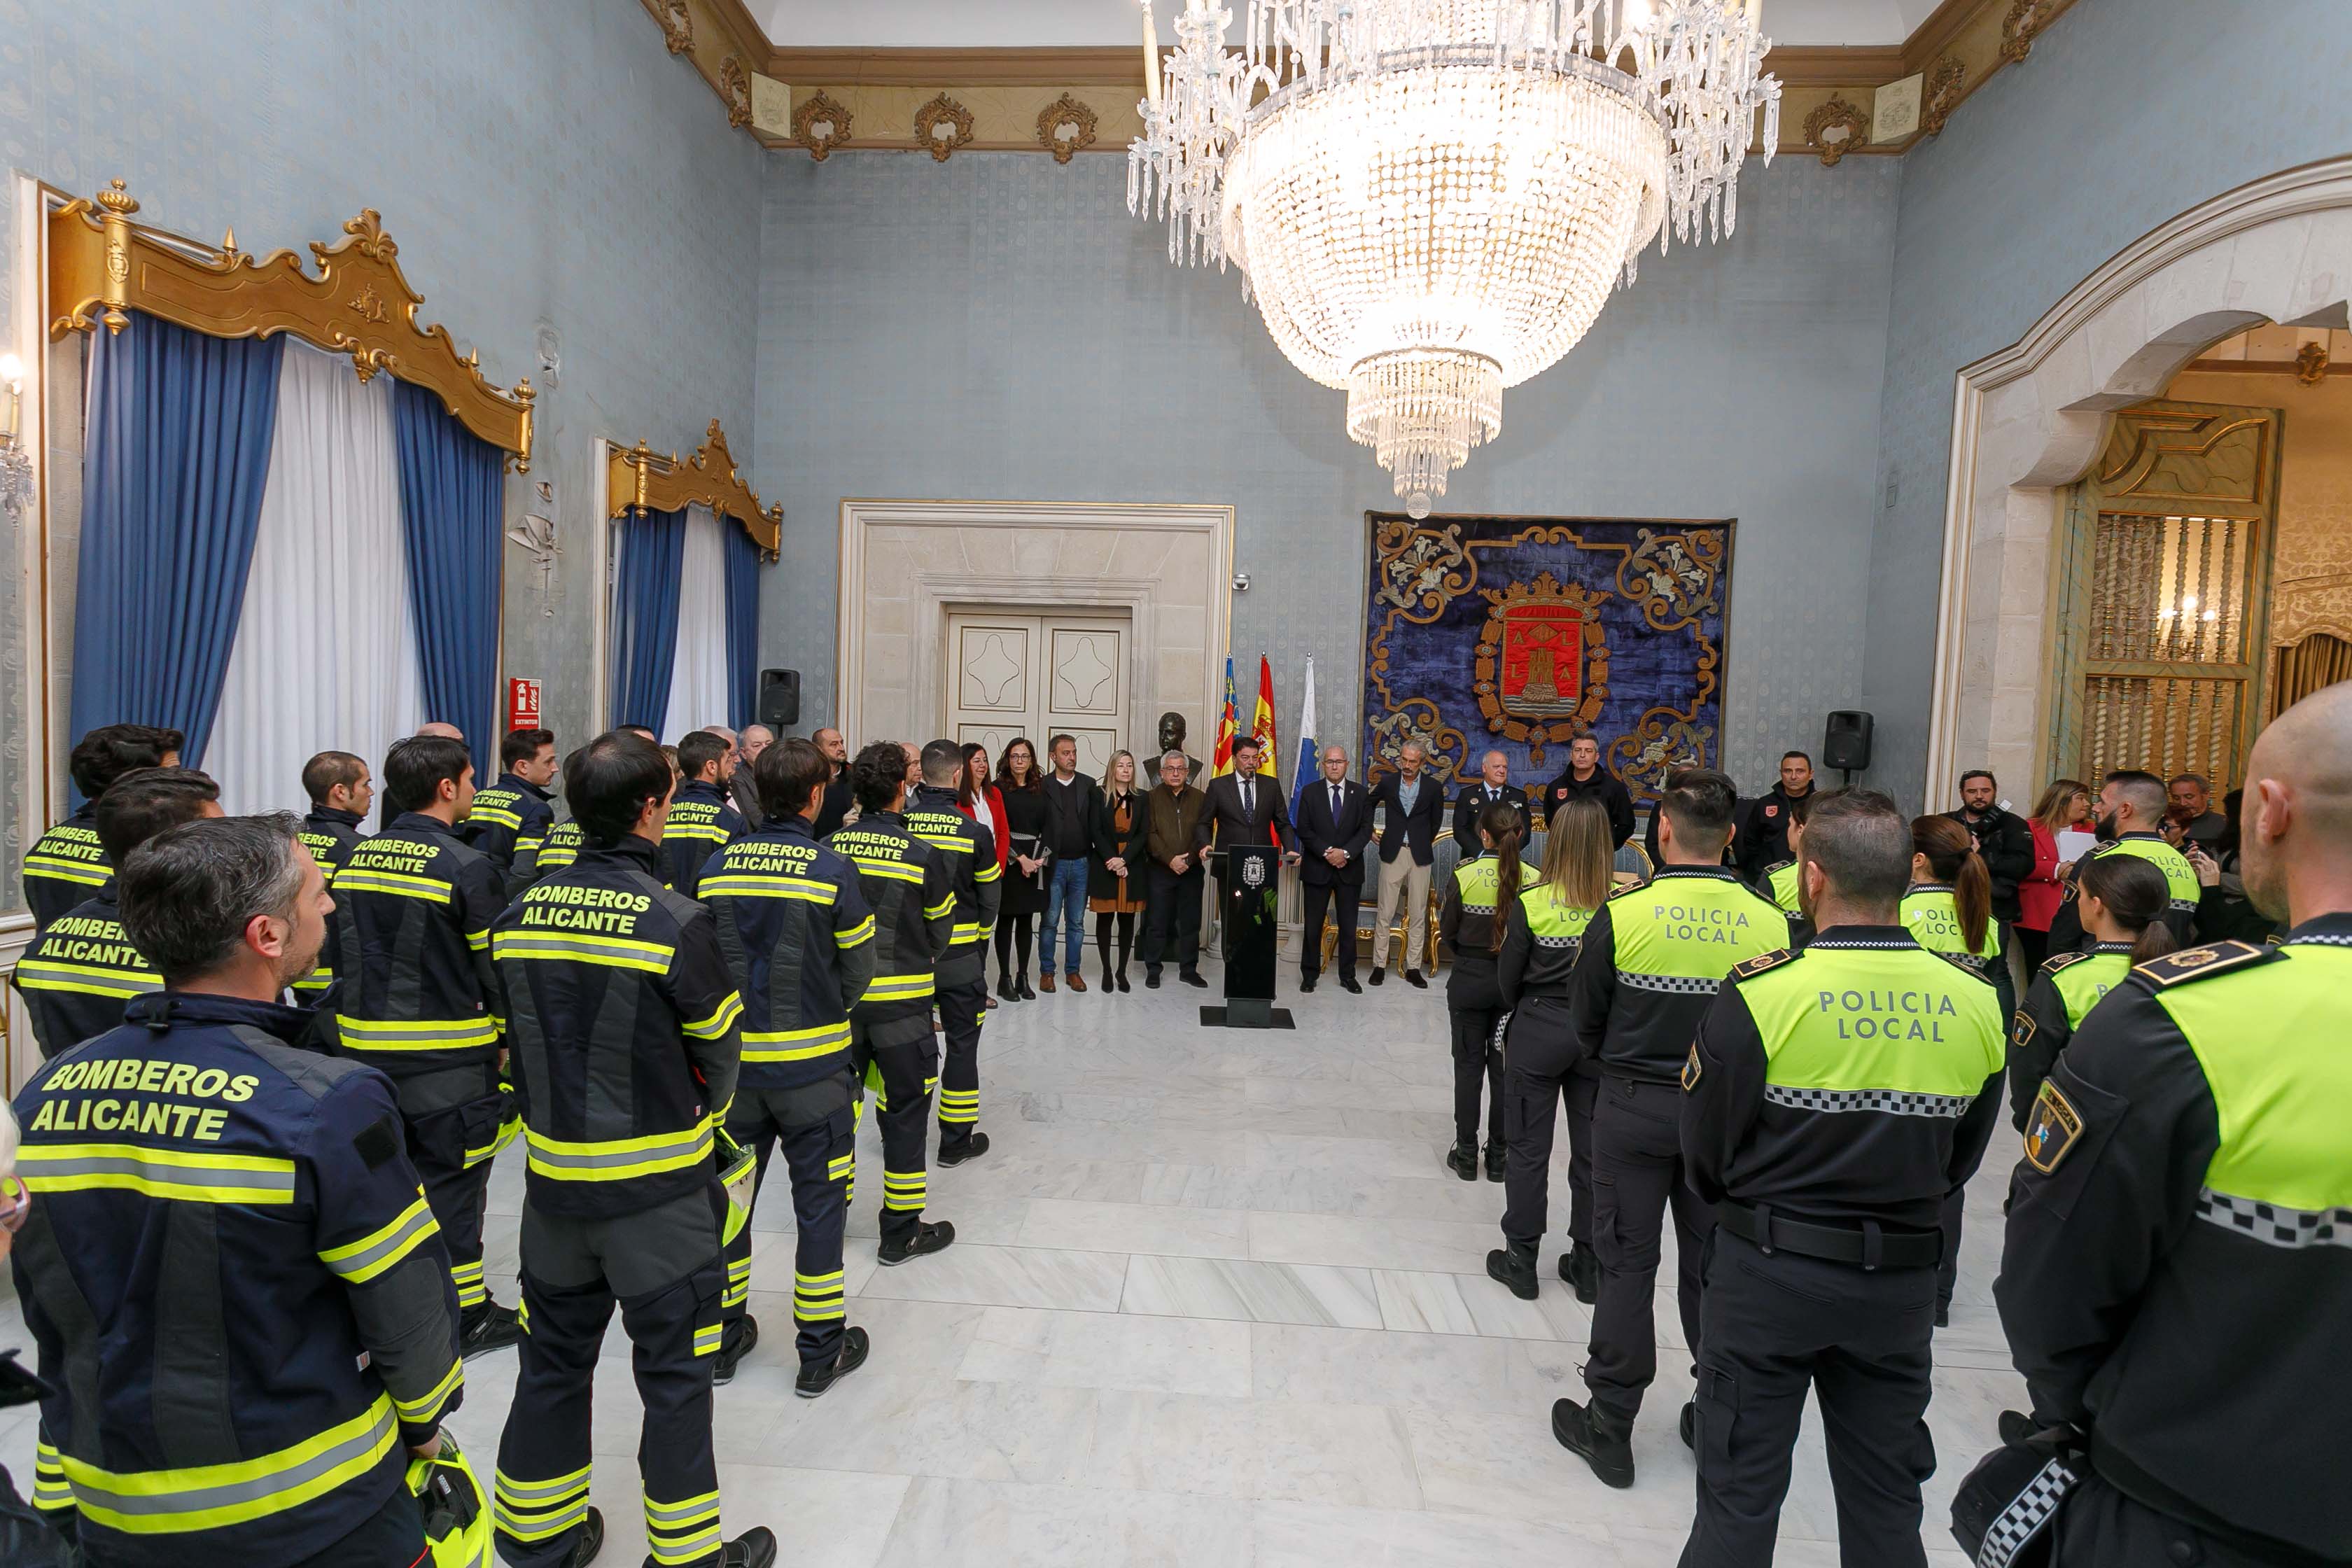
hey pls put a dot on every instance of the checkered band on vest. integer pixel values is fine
(1680, 984)
(2274, 1225)
(1558, 942)
(2025, 1518)
(1894, 1101)
(2318, 939)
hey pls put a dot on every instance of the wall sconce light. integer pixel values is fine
(12, 383)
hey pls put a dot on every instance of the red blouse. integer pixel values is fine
(2039, 894)
(996, 812)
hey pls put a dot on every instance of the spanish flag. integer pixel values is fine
(1261, 722)
(1221, 761)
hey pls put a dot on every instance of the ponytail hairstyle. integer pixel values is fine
(2136, 895)
(1952, 857)
(1500, 824)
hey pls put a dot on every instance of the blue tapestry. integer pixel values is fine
(1520, 634)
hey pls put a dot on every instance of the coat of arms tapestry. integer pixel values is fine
(1520, 634)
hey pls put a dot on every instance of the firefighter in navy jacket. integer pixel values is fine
(702, 820)
(68, 864)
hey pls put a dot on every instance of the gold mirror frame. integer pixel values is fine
(641, 478)
(102, 264)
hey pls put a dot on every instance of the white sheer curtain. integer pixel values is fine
(698, 683)
(325, 657)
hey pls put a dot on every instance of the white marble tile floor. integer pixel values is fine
(1215, 1302)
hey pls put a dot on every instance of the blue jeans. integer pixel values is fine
(1066, 906)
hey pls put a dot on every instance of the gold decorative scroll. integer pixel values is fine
(102, 264)
(641, 478)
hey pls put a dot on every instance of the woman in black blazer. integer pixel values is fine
(1025, 866)
(1115, 898)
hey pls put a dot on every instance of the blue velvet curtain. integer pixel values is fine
(178, 454)
(644, 616)
(743, 624)
(452, 486)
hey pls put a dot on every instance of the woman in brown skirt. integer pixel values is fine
(1115, 893)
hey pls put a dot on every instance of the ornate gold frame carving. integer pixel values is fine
(2024, 23)
(1836, 114)
(942, 111)
(822, 110)
(1946, 86)
(102, 265)
(677, 24)
(1065, 110)
(643, 478)
(735, 87)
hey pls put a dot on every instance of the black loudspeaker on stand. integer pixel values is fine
(779, 698)
(1846, 744)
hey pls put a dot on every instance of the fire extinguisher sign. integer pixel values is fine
(523, 704)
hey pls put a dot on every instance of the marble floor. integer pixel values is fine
(1214, 1299)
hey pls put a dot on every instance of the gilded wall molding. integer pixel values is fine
(1066, 113)
(943, 114)
(1834, 128)
(638, 476)
(102, 264)
(1946, 85)
(821, 125)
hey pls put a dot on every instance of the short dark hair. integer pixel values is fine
(608, 781)
(322, 772)
(698, 750)
(2142, 788)
(1861, 842)
(1054, 742)
(879, 775)
(787, 772)
(1799, 755)
(1984, 774)
(417, 767)
(110, 751)
(145, 801)
(1246, 742)
(188, 893)
(941, 761)
(1700, 803)
(522, 745)
(643, 731)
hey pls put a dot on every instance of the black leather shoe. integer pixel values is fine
(1463, 1161)
(1028, 992)
(495, 1329)
(1518, 1272)
(971, 1148)
(1412, 978)
(1192, 977)
(1943, 1314)
(1690, 1426)
(1580, 1267)
(814, 1379)
(1305, 983)
(1496, 1154)
(924, 1240)
(1378, 974)
(755, 1548)
(1348, 983)
(1151, 980)
(733, 1348)
(1604, 1438)
(1123, 985)
(589, 1542)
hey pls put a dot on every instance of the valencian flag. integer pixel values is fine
(1221, 760)
(1261, 721)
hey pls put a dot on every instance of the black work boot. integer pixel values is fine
(1581, 1267)
(1515, 1266)
(922, 1240)
(1464, 1161)
(1496, 1152)
(733, 1349)
(589, 1542)
(1604, 1437)
(489, 1327)
(755, 1548)
(815, 1377)
(971, 1148)
(1690, 1424)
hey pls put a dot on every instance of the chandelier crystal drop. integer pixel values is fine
(1430, 200)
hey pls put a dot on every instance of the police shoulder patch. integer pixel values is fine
(1691, 1069)
(2021, 1028)
(2057, 962)
(2197, 963)
(1762, 962)
(1964, 964)
(2052, 1130)
(1778, 866)
(1628, 887)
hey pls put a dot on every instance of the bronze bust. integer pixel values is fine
(1171, 738)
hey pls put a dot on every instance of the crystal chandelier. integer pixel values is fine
(1430, 200)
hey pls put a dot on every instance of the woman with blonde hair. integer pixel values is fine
(1543, 931)
(1115, 872)
(2065, 808)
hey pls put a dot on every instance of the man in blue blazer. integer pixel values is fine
(1414, 802)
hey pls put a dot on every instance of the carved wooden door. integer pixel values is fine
(1039, 675)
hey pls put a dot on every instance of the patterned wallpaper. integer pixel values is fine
(549, 171)
(999, 328)
(2127, 113)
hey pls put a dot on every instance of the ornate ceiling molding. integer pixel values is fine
(638, 476)
(103, 264)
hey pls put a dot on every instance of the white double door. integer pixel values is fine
(1062, 673)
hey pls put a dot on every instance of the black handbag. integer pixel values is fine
(2003, 1513)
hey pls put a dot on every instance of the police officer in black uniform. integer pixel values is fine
(1585, 779)
(911, 890)
(2175, 1280)
(702, 820)
(961, 974)
(617, 980)
(510, 819)
(1832, 1099)
(416, 998)
(799, 941)
(84, 969)
(235, 1285)
(68, 864)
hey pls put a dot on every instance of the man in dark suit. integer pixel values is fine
(1494, 784)
(1335, 823)
(1242, 810)
(1415, 803)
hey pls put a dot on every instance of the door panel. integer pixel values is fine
(1039, 675)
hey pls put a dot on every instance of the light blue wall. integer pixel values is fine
(540, 165)
(998, 327)
(2127, 113)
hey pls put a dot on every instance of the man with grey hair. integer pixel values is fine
(742, 789)
(1172, 881)
(1412, 804)
(254, 1274)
